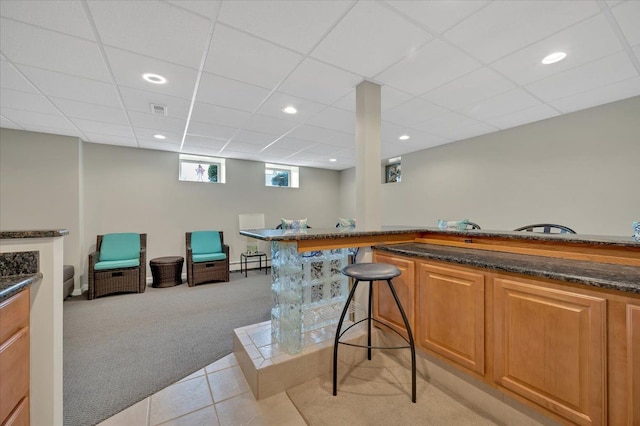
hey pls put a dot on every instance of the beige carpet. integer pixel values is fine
(378, 392)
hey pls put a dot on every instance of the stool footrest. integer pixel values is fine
(372, 347)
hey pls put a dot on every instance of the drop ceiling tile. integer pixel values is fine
(200, 150)
(276, 153)
(214, 114)
(278, 101)
(471, 88)
(158, 145)
(26, 102)
(128, 69)
(455, 127)
(197, 128)
(414, 111)
(529, 115)
(293, 144)
(628, 17)
(601, 95)
(324, 149)
(98, 127)
(8, 124)
(637, 51)
(321, 135)
(435, 64)
(10, 78)
(111, 140)
(243, 147)
(390, 132)
(207, 9)
(28, 45)
(63, 16)
(158, 122)
(155, 29)
(143, 134)
(437, 16)
(590, 76)
(93, 112)
(261, 63)
(319, 82)
(141, 100)
(612, 3)
(257, 138)
(239, 155)
(345, 154)
(29, 119)
(268, 124)
(505, 103)
(505, 26)
(69, 87)
(273, 20)
(583, 43)
(335, 119)
(369, 39)
(229, 93)
(203, 142)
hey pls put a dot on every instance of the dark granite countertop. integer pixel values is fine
(14, 284)
(33, 233)
(617, 277)
(321, 233)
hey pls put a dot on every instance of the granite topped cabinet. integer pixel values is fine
(14, 359)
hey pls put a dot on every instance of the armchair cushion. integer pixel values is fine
(123, 246)
(206, 242)
(116, 264)
(208, 257)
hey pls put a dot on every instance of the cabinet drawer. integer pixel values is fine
(20, 416)
(14, 315)
(14, 370)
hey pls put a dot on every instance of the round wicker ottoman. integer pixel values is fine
(166, 271)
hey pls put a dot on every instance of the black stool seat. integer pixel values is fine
(373, 272)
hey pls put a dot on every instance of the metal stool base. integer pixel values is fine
(369, 346)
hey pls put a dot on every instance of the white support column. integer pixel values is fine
(368, 121)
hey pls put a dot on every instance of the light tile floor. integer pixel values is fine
(215, 395)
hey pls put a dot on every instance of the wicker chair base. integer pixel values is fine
(209, 271)
(117, 281)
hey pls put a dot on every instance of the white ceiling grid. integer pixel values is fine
(449, 70)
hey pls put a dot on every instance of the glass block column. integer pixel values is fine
(308, 291)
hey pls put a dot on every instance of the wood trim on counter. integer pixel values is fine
(355, 241)
(558, 249)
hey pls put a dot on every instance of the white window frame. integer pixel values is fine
(187, 165)
(294, 175)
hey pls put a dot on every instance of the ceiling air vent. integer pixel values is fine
(159, 109)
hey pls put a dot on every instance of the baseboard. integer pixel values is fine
(79, 291)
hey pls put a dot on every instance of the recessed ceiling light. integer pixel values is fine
(404, 137)
(290, 110)
(161, 137)
(333, 160)
(553, 58)
(154, 78)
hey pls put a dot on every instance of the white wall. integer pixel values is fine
(580, 170)
(137, 190)
(40, 180)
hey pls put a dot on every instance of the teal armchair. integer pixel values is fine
(207, 257)
(118, 265)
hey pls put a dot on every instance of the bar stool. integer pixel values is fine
(373, 272)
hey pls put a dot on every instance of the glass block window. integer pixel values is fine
(196, 168)
(393, 171)
(282, 176)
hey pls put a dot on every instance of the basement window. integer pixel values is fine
(281, 176)
(196, 168)
(393, 170)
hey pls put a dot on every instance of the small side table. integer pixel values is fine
(244, 257)
(166, 271)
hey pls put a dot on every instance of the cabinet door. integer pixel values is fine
(633, 363)
(384, 306)
(550, 347)
(14, 371)
(451, 314)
